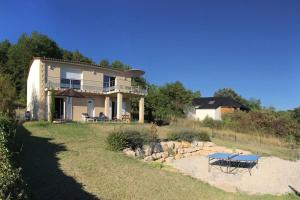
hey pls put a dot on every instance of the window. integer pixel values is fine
(109, 82)
(211, 102)
(70, 78)
(69, 83)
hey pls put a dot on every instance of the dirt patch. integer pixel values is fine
(273, 175)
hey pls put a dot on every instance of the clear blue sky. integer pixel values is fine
(250, 46)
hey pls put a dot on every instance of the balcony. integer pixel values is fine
(92, 87)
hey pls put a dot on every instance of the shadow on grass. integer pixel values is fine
(41, 170)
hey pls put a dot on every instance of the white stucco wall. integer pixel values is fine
(201, 114)
(33, 88)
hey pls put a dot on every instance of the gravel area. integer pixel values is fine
(273, 175)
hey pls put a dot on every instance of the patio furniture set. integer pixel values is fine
(102, 118)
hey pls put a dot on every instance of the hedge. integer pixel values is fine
(12, 185)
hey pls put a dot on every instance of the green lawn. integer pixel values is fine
(69, 161)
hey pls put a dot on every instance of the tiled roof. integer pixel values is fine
(77, 62)
(215, 102)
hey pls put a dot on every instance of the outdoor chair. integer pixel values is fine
(101, 117)
(86, 118)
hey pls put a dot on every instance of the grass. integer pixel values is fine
(70, 161)
(255, 142)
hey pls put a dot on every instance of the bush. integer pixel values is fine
(11, 183)
(122, 139)
(264, 121)
(188, 135)
(209, 122)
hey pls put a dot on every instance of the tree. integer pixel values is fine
(7, 95)
(104, 63)
(170, 100)
(4, 46)
(228, 92)
(119, 65)
(20, 55)
(77, 56)
(296, 114)
(15, 58)
(253, 104)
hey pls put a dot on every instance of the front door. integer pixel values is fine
(90, 108)
(59, 108)
(113, 110)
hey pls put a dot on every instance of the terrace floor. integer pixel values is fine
(273, 175)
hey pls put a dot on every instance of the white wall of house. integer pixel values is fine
(33, 88)
(201, 114)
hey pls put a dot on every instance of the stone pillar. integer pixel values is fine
(49, 105)
(141, 110)
(119, 105)
(106, 107)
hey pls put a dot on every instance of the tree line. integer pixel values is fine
(166, 101)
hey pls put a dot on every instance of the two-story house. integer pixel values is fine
(81, 88)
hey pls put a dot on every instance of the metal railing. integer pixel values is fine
(56, 84)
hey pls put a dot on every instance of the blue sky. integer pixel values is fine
(250, 46)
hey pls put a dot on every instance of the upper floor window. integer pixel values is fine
(70, 78)
(108, 81)
(70, 83)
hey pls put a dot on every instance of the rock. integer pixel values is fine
(200, 144)
(157, 148)
(147, 150)
(209, 144)
(177, 145)
(194, 143)
(189, 150)
(139, 152)
(185, 144)
(158, 155)
(180, 151)
(148, 159)
(171, 144)
(164, 146)
(169, 159)
(165, 154)
(197, 144)
(198, 148)
(129, 152)
(178, 156)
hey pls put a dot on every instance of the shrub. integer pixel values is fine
(209, 122)
(264, 121)
(11, 183)
(122, 139)
(188, 135)
(116, 141)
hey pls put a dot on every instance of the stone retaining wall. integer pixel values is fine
(170, 150)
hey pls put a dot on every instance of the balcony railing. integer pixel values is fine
(55, 83)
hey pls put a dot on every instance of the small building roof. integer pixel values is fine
(215, 102)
